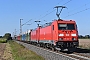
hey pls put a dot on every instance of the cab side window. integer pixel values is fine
(53, 27)
(76, 27)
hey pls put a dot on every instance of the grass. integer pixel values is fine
(84, 46)
(7, 53)
(3, 40)
(81, 46)
(19, 52)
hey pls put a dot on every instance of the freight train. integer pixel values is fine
(59, 34)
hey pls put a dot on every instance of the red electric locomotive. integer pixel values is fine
(60, 33)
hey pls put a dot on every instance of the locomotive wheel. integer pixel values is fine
(57, 51)
(53, 49)
(38, 45)
(45, 46)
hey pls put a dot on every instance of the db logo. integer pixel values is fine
(67, 34)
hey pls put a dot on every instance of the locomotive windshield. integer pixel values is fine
(66, 27)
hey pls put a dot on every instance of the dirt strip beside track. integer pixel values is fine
(2, 48)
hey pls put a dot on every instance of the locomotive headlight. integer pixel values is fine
(61, 35)
(73, 34)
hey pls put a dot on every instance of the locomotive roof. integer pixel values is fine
(46, 24)
(66, 21)
(34, 29)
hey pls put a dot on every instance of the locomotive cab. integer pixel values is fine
(67, 34)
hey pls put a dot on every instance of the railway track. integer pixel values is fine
(57, 54)
(82, 55)
(74, 55)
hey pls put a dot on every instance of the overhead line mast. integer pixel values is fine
(20, 27)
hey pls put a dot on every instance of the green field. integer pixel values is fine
(19, 52)
(3, 40)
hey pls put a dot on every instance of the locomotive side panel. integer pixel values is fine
(54, 32)
(38, 34)
(45, 34)
(41, 34)
(33, 36)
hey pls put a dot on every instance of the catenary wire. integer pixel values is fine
(77, 12)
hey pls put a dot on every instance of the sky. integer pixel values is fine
(11, 11)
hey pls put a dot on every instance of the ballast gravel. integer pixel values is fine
(48, 55)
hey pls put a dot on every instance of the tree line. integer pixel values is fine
(84, 37)
(7, 36)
